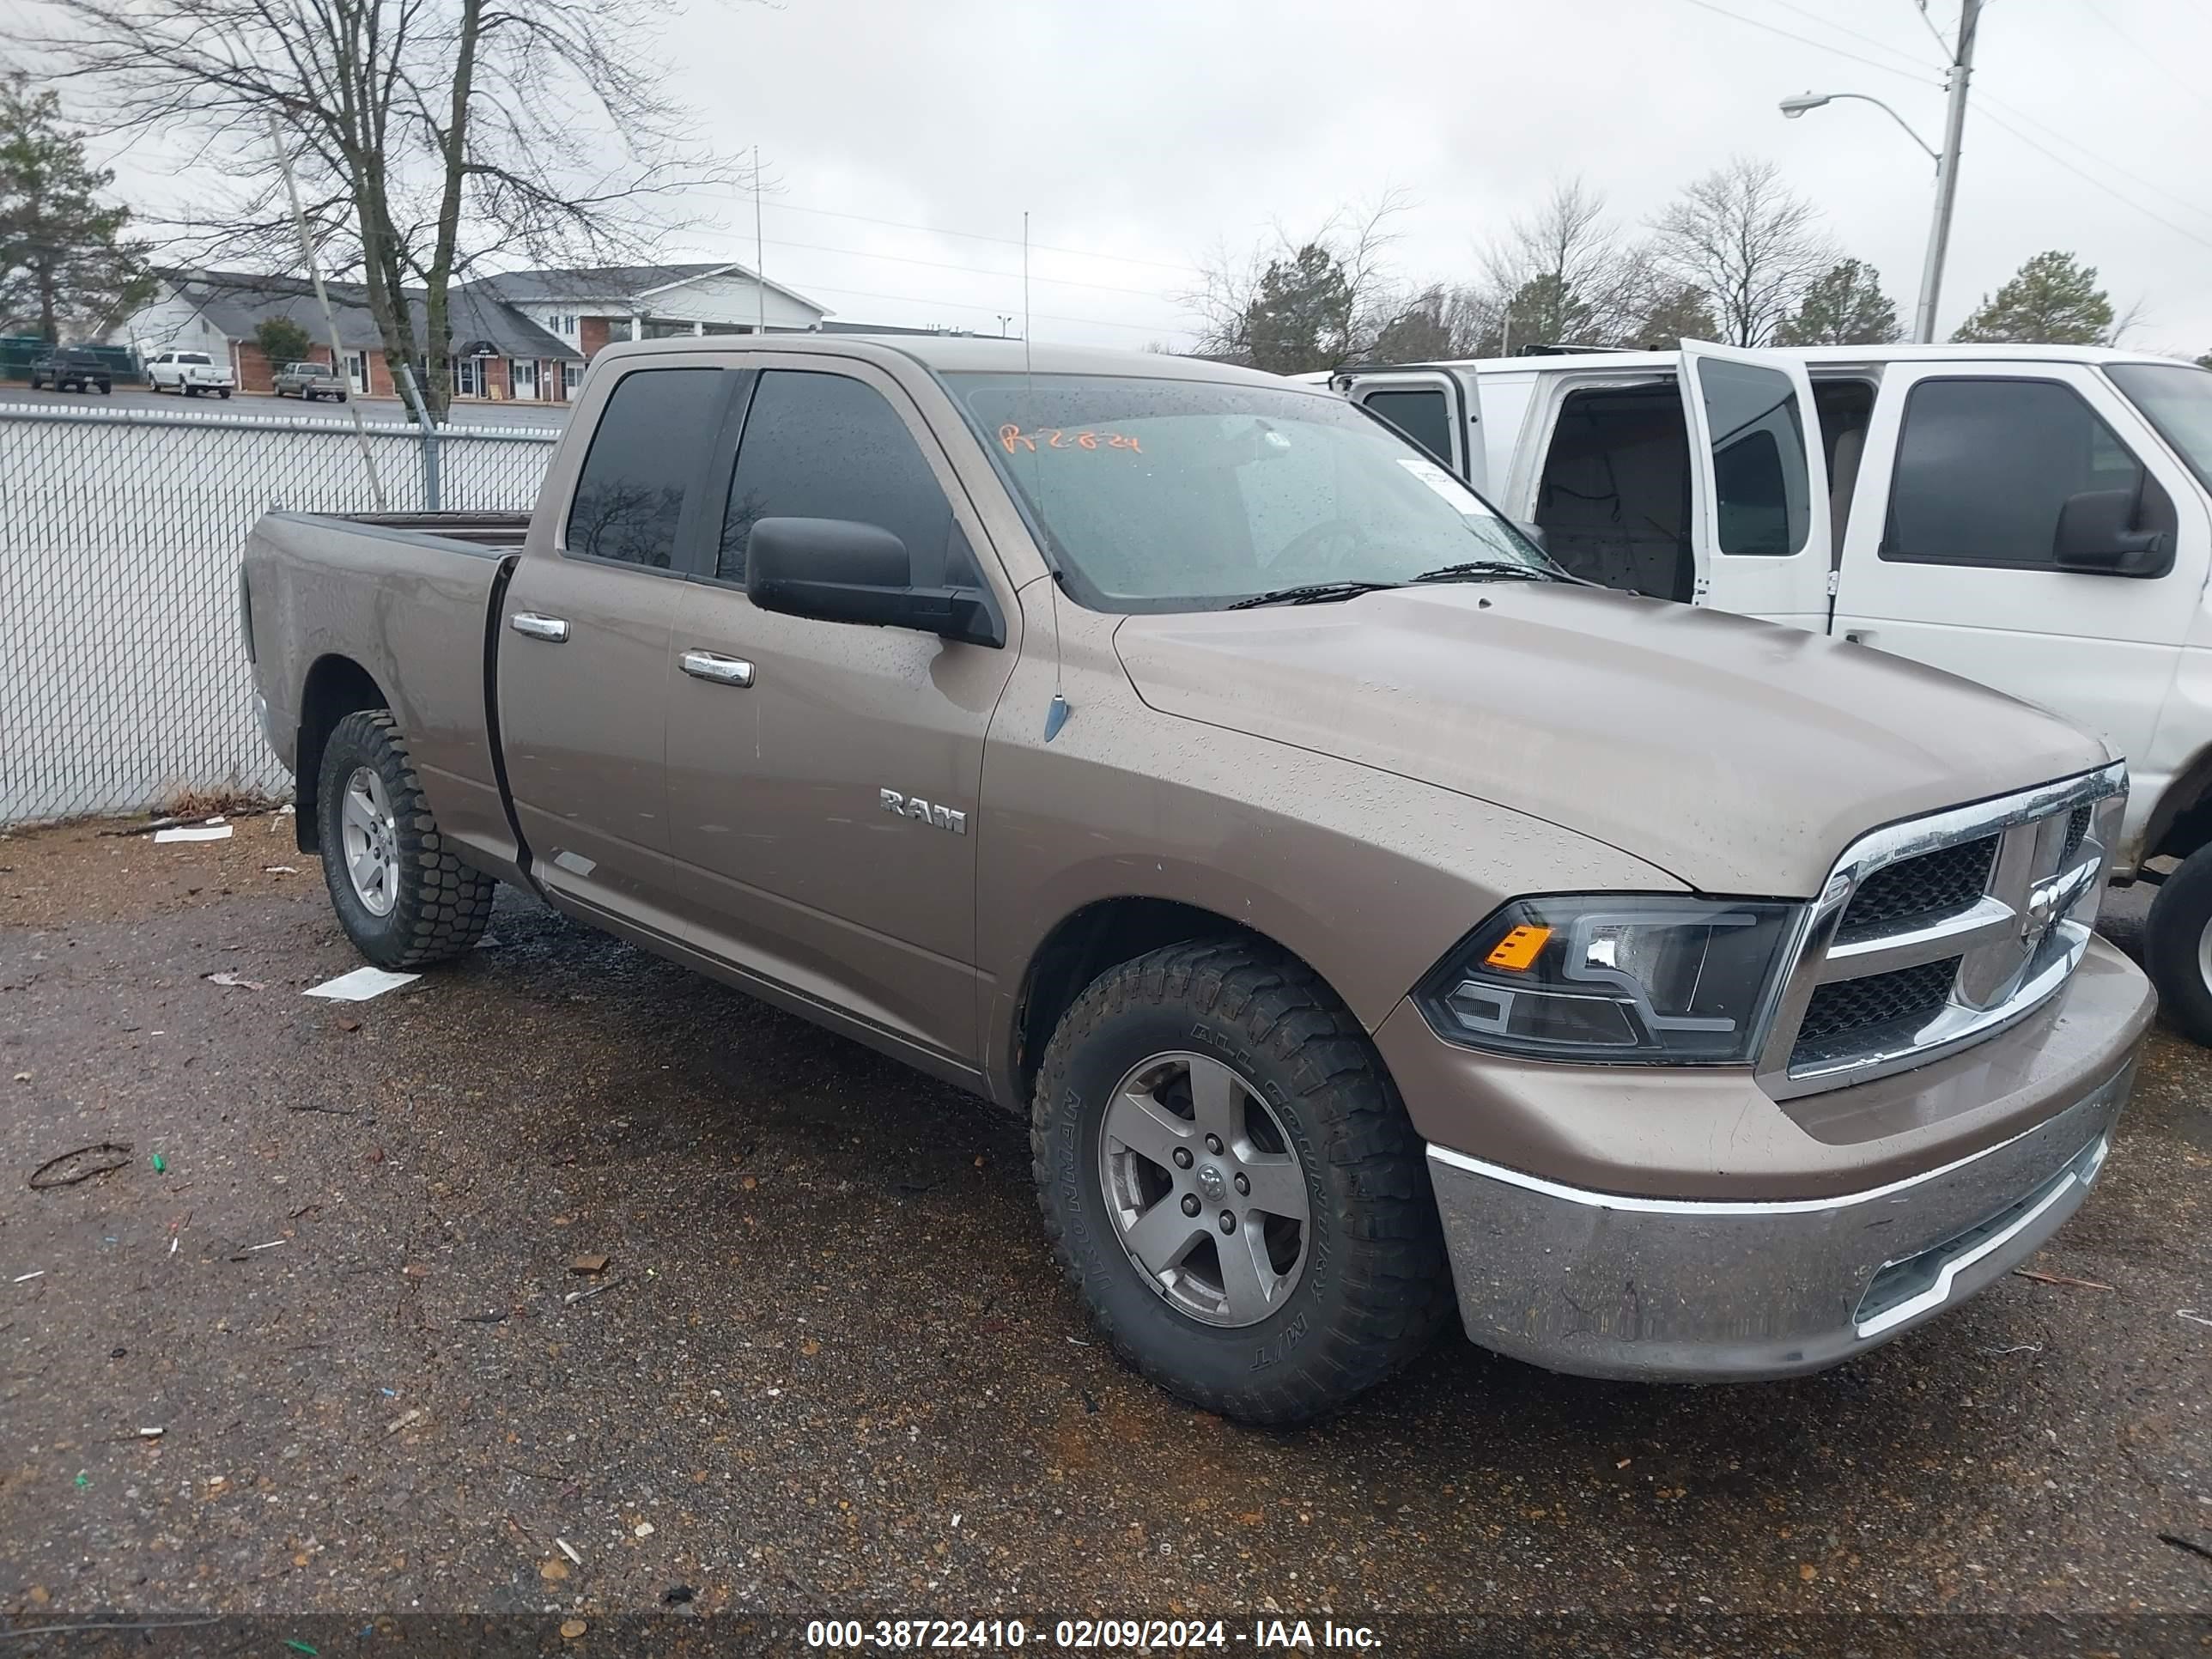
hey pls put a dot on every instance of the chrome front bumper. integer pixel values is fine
(1599, 1285)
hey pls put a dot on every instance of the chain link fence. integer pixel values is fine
(122, 683)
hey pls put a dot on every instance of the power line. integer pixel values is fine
(1807, 40)
(977, 270)
(2048, 131)
(2151, 57)
(2178, 230)
(982, 236)
(1880, 45)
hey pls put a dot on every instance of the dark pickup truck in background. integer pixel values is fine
(307, 382)
(71, 370)
(1370, 919)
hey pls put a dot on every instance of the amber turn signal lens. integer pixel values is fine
(1517, 949)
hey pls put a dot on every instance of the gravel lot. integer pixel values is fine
(826, 1368)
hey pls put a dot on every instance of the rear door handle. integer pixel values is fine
(723, 671)
(531, 625)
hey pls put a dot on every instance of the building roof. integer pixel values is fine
(237, 302)
(621, 284)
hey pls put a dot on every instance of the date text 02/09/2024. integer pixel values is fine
(1076, 1635)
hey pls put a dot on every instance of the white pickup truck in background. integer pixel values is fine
(2038, 518)
(188, 374)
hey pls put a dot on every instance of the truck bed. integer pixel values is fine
(407, 599)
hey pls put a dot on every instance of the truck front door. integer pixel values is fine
(1953, 554)
(823, 777)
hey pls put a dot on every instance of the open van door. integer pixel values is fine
(1758, 485)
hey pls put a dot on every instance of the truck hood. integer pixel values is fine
(1739, 755)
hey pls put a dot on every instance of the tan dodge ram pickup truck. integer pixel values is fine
(1369, 918)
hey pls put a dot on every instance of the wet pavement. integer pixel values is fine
(826, 1368)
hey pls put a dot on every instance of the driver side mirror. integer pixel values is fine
(2096, 534)
(840, 570)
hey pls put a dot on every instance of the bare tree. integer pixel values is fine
(430, 135)
(1752, 244)
(1293, 303)
(1562, 274)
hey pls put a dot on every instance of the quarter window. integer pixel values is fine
(827, 446)
(1985, 467)
(650, 442)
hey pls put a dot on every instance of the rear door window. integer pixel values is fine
(1758, 458)
(644, 464)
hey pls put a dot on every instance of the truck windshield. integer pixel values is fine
(2177, 399)
(1158, 494)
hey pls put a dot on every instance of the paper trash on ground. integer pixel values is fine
(195, 832)
(360, 985)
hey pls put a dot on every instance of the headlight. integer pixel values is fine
(1622, 977)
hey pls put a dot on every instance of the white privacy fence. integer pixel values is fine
(122, 679)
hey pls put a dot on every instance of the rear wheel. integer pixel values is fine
(403, 899)
(224, 393)
(1231, 1185)
(2177, 946)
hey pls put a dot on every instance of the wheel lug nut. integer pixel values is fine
(1214, 1143)
(1244, 1187)
(1190, 1203)
(1228, 1222)
(1182, 1158)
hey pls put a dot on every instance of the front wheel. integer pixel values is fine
(1231, 1185)
(2177, 946)
(404, 898)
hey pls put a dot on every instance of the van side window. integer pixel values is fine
(650, 445)
(1421, 413)
(1985, 467)
(827, 446)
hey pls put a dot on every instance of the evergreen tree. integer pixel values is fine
(1300, 318)
(2053, 300)
(63, 262)
(1844, 306)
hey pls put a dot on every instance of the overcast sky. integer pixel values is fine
(1153, 131)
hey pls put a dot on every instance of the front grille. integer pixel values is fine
(1938, 883)
(2078, 831)
(1939, 933)
(1911, 995)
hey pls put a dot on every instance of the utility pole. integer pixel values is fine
(1946, 172)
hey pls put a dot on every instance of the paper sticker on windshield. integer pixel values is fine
(1438, 480)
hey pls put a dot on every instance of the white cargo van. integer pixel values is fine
(2039, 518)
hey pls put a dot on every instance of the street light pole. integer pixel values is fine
(1946, 160)
(1946, 172)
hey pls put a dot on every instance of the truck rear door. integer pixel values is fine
(1758, 487)
(1953, 555)
(585, 658)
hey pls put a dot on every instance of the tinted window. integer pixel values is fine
(826, 446)
(651, 442)
(200, 357)
(1984, 467)
(1759, 465)
(1423, 415)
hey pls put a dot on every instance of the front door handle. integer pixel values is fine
(531, 625)
(723, 671)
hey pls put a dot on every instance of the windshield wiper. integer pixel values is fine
(1310, 593)
(1488, 569)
